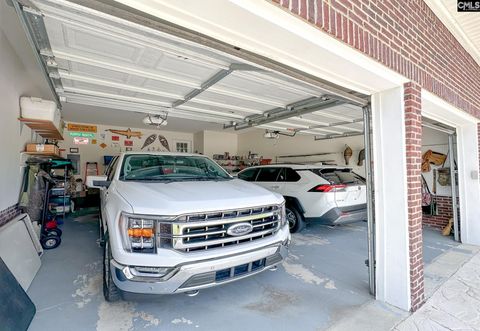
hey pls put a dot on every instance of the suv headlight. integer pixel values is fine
(141, 233)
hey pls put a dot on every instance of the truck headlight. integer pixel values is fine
(281, 214)
(140, 233)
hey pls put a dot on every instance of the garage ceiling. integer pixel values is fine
(102, 61)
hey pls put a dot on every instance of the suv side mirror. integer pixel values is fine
(97, 182)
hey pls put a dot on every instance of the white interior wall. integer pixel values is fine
(301, 144)
(198, 142)
(14, 83)
(219, 142)
(437, 141)
(95, 153)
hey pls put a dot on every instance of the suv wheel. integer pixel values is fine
(110, 291)
(295, 220)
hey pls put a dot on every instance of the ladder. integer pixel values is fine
(91, 169)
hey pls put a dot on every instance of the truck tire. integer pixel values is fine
(110, 291)
(296, 223)
(50, 241)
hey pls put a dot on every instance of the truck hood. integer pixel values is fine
(176, 198)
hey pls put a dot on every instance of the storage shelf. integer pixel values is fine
(45, 129)
(52, 155)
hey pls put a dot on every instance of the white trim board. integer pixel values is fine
(391, 203)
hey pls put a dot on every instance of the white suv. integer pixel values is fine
(176, 222)
(327, 194)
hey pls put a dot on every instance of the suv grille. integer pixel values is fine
(208, 231)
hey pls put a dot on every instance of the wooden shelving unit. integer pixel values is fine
(53, 155)
(45, 129)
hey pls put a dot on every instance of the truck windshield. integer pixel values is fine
(151, 167)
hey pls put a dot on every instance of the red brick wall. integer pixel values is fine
(444, 213)
(413, 135)
(8, 214)
(405, 36)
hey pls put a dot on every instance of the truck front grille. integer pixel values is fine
(210, 230)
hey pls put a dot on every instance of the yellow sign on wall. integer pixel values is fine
(81, 127)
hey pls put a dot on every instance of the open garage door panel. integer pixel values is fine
(100, 60)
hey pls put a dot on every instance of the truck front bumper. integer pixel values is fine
(202, 274)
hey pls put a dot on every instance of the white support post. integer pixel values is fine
(391, 213)
(468, 183)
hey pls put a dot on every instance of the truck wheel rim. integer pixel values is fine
(50, 242)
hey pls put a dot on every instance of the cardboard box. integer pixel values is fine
(42, 149)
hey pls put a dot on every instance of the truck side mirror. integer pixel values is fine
(98, 182)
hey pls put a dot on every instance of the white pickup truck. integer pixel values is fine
(176, 222)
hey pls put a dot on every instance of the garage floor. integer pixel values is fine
(323, 279)
(434, 244)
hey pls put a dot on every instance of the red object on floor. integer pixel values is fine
(52, 224)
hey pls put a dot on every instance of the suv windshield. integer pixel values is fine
(150, 167)
(340, 176)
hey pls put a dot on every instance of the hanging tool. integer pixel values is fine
(361, 157)
(347, 154)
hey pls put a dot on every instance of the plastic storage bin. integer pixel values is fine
(39, 109)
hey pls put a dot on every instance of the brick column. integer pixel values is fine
(413, 134)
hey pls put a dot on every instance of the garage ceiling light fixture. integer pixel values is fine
(275, 134)
(156, 120)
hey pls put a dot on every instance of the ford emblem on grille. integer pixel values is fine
(240, 229)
